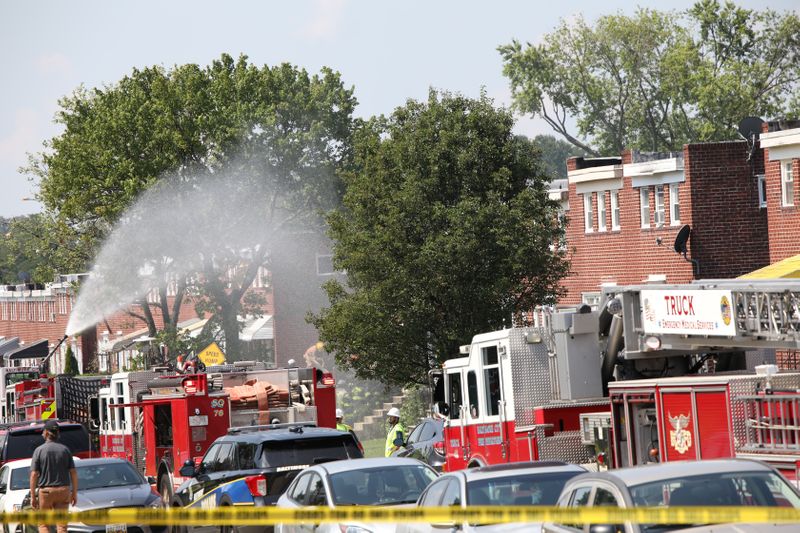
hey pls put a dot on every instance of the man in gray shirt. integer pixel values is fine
(52, 471)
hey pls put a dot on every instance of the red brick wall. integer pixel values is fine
(729, 233)
(784, 222)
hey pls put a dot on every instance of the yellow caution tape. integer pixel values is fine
(239, 516)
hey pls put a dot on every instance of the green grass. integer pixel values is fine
(374, 447)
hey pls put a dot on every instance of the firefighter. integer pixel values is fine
(341, 426)
(396, 437)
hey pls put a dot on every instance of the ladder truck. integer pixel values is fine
(616, 386)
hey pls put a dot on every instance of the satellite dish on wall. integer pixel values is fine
(750, 127)
(682, 239)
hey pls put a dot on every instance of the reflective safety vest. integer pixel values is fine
(341, 426)
(397, 432)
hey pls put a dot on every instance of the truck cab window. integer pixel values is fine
(454, 386)
(472, 393)
(491, 373)
(163, 416)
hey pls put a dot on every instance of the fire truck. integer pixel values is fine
(160, 420)
(9, 377)
(659, 373)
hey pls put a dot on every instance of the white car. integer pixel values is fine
(385, 481)
(14, 486)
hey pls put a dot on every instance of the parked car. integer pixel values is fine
(19, 439)
(723, 482)
(382, 481)
(426, 443)
(109, 483)
(14, 486)
(253, 466)
(527, 483)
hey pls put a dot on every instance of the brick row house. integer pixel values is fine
(739, 199)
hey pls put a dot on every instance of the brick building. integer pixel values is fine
(625, 214)
(781, 188)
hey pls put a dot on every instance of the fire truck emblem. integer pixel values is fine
(725, 309)
(680, 438)
(649, 312)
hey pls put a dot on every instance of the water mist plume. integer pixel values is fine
(174, 229)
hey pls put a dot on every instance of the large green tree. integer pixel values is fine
(656, 80)
(446, 231)
(555, 153)
(280, 128)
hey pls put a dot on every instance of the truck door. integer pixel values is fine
(455, 438)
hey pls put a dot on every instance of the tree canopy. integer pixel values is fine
(555, 153)
(279, 130)
(657, 80)
(446, 230)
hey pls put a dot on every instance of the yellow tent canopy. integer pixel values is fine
(787, 268)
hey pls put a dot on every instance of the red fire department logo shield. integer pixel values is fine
(680, 438)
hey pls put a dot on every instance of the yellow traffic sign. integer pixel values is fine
(212, 355)
(50, 411)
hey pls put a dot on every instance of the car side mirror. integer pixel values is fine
(152, 480)
(188, 469)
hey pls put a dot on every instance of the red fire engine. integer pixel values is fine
(159, 421)
(663, 354)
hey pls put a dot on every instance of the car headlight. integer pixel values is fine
(353, 529)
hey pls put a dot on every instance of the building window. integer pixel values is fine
(601, 211)
(674, 205)
(762, 190)
(592, 299)
(588, 224)
(614, 210)
(787, 183)
(658, 213)
(325, 265)
(644, 209)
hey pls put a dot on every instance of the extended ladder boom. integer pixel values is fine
(709, 315)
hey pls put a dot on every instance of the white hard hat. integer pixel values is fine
(339, 413)
(394, 411)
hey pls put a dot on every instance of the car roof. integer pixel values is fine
(102, 461)
(38, 425)
(648, 473)
(513, 469)
(18, 463)
(282, 434)
(344, 465)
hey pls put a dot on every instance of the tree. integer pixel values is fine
(71, 363)
(280, 128)
(554, 153)
(655, 81)
(446, 230)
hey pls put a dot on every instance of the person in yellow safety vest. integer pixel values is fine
(396, 437)
(341, 426)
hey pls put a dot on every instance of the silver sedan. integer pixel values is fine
(388, 481)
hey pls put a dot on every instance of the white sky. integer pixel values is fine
(389, 51)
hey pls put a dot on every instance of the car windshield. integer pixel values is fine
(104, 475)
(519, 489)
(762, 489)
(387, 485)
(308, 451)
(21, 444)
(21, 478)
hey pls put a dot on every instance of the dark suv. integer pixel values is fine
(253, 466)
(19, 439)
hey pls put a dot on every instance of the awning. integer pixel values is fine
(193, 327)
(787, 268)
(7, 345)
(34, 350)
(125, 341)
(257, 328)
